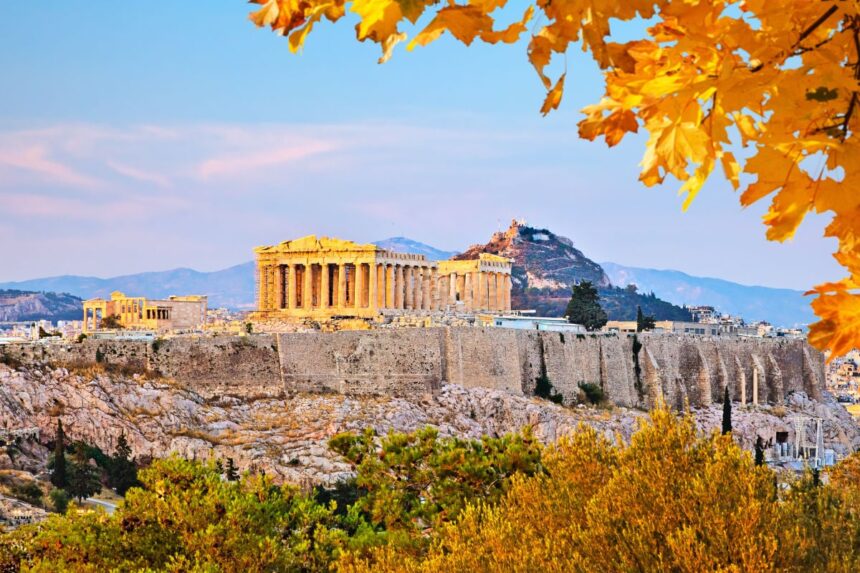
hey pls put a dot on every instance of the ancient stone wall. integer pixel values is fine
(407, 362)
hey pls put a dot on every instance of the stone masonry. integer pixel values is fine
(410, 362)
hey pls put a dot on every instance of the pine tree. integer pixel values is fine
(759, 451)
(584, 307)
(231, 474)
(643, 321)
(122, 473)
(640, 318)
(84, 477)
(58, 475)
(727, 412)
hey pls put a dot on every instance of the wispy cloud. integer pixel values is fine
(246, 163)
(139, 174)
(36, 160)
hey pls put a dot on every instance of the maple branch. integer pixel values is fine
(812, 27)
(853, 103)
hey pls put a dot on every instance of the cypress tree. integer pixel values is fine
(122, 472)
(231, 474)
(58, 475)
(640, 319)
(727, 412)
(759, 451)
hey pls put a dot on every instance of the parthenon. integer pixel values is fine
(324, 277)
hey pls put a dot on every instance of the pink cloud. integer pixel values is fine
(139, 174)
(241, 164)
(35, 159)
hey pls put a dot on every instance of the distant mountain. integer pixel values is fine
(232, 287)
(546, 265)
(782, 307)
(404, 245)
(20, 306)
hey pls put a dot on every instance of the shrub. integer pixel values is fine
(593, 393)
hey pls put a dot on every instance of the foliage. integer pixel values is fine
(703, 78)
(111, 322)
(58, 472)
(121, 469)
(544, 389)
(84, 477)
(593, 393)
(670, 500)
(637, 368)
(29, 492)
(187, 518)
(231, 473)
(759, 451)
(415, 482)
(584, 307)
(59, 500)
(644, 322)
(727, 412)
(81, 337)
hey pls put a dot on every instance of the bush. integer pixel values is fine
(59, 500)
(593, 393)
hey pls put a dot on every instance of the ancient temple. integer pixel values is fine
(322, 277)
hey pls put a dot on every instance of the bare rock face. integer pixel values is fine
(287, 435)
(542, 259)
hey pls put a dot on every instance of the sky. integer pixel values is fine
(143, 136)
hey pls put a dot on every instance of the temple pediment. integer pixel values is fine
(312, 243)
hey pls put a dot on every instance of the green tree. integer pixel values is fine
(644, 322)
(759, 451)
(727, 412)
(122, 471)
(84, 476)
(58, 472)
(231, 473)
(584, 307)
(417, 481)
(60, 500)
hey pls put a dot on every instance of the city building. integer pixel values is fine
(323, 278)
(667, 326)
(538, 323)
(140, 313)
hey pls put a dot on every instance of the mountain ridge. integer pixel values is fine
(233, 287)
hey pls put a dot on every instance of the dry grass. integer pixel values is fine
(779, 411)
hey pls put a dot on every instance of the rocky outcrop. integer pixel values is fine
(409, 362)
(287, 436)
(546, 265)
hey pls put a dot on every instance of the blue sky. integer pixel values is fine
(150, 135)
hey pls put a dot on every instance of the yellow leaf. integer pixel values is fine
(553, 98)
(388, 46)
(731, 169)
(839, 327)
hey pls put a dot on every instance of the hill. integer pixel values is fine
(232, 287)
(546, 265)
(20, 306)
(783, 307)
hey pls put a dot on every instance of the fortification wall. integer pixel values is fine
(408, 362)
(212, 366)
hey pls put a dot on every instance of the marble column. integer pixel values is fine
(359, 285)
(427, 288)
(409, 292)
(468, 287)
(493, 291)
(291, 287)
(398, 287)
(341, 286)
(279, 287)
(435, 289)
(743, 382)
(481, 291)
(389, 286)
(264, 292)
(372, 284)
(325, 285)
(308, 290)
